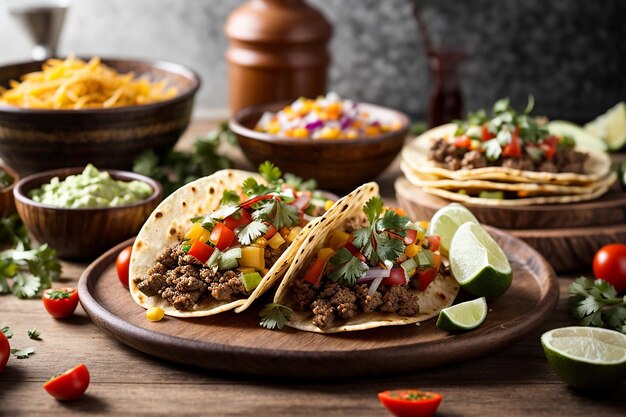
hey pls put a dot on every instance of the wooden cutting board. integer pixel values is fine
(567, 235)
(236, 343)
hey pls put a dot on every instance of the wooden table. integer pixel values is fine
(514, 382)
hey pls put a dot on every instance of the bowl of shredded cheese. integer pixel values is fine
(73, 111)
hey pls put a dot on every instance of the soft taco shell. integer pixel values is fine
(479, 184)
(415, 155)
(439, 294)
(170, 221)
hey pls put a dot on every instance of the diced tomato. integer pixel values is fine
(549, 146)
(486, 134)
(222, 236)
(354, 251)
(249, 202)
(271, 231)
(316, 270)
(434, 242)
(400, 211)
(238, 219)
(463, 142)
(201, 251)
(302, 201)
(513, 149)
(397, 277)
(427, 276)
(410, 403)
(411, 237)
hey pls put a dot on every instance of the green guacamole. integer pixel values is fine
(90, 189)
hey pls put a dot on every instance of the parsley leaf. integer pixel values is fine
(34, 334)
(23, 353)
(7, 332)
(251, 232)
(230, 198)
(596, 303)
(277, 213)
(348, 268)
(393, 221)
(274, 316)
(270, 172)
(373, 209)
(388, 248)
(363, 241)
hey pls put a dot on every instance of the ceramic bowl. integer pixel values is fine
(336, 165)
(34, 140)
(82, 233)
(7, 202)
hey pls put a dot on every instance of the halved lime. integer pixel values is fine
(610, 126)
(586, 357)
(447, 220)
(465, 316)
(583, 138)
(478, 263)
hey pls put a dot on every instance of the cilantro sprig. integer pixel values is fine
(348, 268)
(274, 316)
(374, 241)
(596, 303)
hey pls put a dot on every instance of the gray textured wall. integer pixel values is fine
(571, 54)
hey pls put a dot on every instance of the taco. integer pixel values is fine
(365, 266)
(218, 243)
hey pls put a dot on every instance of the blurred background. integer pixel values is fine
(570, 54)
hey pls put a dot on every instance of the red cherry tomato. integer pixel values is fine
(60, 302)
(5, 351)
(609, 264)
(121, 264)
(410, 402)
(70, 385)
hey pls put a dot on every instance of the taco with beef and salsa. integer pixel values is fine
(363, 266)
(220, 242)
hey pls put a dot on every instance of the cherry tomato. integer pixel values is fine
(70, 385)
(60, 302)
(609, 264)
(121, 264)
(5, 351)
(410, 402)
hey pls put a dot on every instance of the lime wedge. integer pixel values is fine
(478, 262)
(465, 316)
(586, 357)
(583, 138)
(446, 221)
(610, 126)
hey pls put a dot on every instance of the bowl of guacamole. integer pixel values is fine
(82, 212)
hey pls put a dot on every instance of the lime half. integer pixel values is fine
(478, 263)
(586, 357)
(465, 316)
(583, 138)
(446, 221)
(610, 126)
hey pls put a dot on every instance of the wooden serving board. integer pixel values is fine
(236, 343)
(592, 224)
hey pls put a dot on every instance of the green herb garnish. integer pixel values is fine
(348, 268)
(299, 184)
(251, 232)
(23, 353)
(7, 332)
(34, 334)
(596, 303)
(277, 213)
(30, 270)
(230, 198)
(274, 316)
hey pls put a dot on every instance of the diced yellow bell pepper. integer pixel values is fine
(328, 205)
(329, 133)
(325, 253)
(253, 257)
(424, 224)
(261, 241)
(284, 231)
(334, 111)
(276, 241)
(197, 232)
(245, 269)
(372, 131)
(412, 250)
(300, 132)
(338, 238)
(293, 234)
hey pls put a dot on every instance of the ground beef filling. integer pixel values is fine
(454, 158)
(334, 302)
(182, 280)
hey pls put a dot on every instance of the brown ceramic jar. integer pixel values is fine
(277, 51)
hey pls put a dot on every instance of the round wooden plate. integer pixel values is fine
(601, 222)
(236, 343)
(610, 209)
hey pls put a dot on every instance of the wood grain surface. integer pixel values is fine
(566, 248)
(236, 343)
(124, 382)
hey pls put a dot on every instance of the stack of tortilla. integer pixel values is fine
(517, 187)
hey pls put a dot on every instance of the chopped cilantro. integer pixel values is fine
(23, 353)
(596, 303)
(373, 209)
(299, 184)
(348, 268)
(186, 247)
(251, 188)
(30, 270)
(251, 232)
(277, 213)
(7, 332)
(34, 334)
(274, 316)
(230, 198)
(270, 172)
